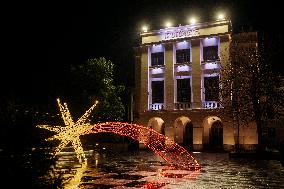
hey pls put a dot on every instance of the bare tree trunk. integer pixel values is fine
(259, 133)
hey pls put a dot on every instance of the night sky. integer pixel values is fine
(41, 39)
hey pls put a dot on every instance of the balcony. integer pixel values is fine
(157, 72)
(157, 66)
(157, 106)
(213, 61)
(183, 64)
(182, 105)
(211, 104)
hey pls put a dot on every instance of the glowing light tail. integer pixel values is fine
(170, 151)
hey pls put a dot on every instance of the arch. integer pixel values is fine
(157, 124)
(188, 135)
(183, 131)
(170, 151)
(216, 135)
(213, 132)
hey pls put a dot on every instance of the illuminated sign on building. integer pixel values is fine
(188, 31)
(181, 33)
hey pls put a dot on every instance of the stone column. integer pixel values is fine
(169, 77)
(196, 74)
(144, 80)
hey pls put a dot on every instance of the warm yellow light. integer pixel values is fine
(76, 180)
(168, 24)
(144, 28)
(192, 21)
(221, 16)
(71, 131)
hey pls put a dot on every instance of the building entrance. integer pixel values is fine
(216, 135)
(188, 135)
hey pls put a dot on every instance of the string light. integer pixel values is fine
(71, 132)
(171, 152)
(76, 180)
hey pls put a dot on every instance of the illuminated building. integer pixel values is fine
(177, 71)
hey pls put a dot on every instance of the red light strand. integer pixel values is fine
(170, 151)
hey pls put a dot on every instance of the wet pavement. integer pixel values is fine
(144, 169)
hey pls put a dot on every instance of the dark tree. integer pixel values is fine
(93, 81)
(248, 86)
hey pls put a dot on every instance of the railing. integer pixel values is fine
(182, 105)
(157, 106)
(211, 104)
(183, 63)
(216, 61)
(186, 105)
(157, 66)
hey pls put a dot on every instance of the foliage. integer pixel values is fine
(93, 81)
(248, 86)
(237, 83)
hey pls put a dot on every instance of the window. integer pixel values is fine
(210, 53)
(271, 132)
(211, 85)
(157, 59)
(157, 92)
(182, 56)
(183, 90)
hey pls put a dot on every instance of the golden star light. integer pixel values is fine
(162, 145)
(71, 131)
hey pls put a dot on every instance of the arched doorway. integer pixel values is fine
(163, 129)
(157, 124)
(216, 135)
(183, 130)
(188, 136)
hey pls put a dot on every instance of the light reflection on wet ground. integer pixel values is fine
(144, 169)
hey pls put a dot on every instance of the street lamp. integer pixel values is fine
(192, 21)
(168, 24)
(221, 16)
(144, 28)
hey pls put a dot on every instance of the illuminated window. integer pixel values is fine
(183, 90)
(157, 92)
(182, 56)
(210, 53)
(157, 59)
(211, 85)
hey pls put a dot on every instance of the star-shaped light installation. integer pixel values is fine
(162, 145)
(71, 131)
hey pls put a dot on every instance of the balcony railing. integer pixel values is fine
(214, 61)
(211, 104)
(157, 106)
(182, 105)
(183, 63)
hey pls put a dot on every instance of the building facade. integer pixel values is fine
(177, 72)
